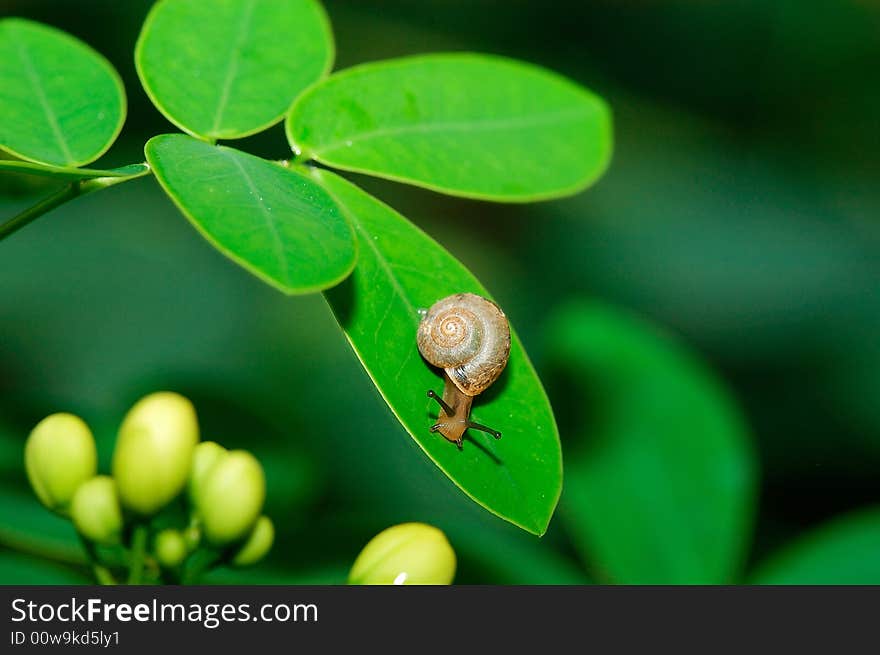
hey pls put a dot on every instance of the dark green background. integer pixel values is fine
(740, 212)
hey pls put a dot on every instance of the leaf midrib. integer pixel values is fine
(232, 69)
(52, 119)
(477, 125)
(270, 222)
(383, 263)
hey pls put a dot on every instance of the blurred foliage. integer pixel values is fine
(843, 551)
(739, 212)
(660, 482)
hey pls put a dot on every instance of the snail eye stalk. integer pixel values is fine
(483, 428)
(446, 408)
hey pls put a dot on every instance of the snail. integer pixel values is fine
(469, 338)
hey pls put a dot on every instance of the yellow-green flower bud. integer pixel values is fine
(153, 456)
(95, 510)
(206, 454)
(231, 497)
(258, 543)
(409, 553)
(59, 455)
(169, 547)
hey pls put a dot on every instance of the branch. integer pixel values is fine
(65, 194)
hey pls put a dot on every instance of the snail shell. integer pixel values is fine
(469, 337)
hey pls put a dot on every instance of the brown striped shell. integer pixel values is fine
(469, 337)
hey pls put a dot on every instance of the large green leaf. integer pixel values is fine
(61, 102)
(464, 124)
(400, 270)
(275, 222)
(223, 70)
(660, 482)
(844, 551)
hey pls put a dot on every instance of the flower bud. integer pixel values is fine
(205, 455)
(59, 455)
(95, 510)
(153, 455)
(169, 547)
(409, 553)
(230, 497)
(257, 544)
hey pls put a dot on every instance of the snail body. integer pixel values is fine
(468, 337)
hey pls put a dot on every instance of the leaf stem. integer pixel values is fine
(198, 564)
(64, 194)
(300, 157)
(102, 574)
(138, 553)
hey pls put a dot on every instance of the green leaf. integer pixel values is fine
(71, 173)
(844, 551)
(20, 569)
(400, 270)
(273, 221)
(465, 124)
(224, 70)
(28, 526)
(660, 481)
(494, 557)
(61, 102)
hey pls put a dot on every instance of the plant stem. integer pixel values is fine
(300, 157)
(138, 552)
(102, 574)
(66, 193)
(14, 224)
(198, 564)
(23, 543)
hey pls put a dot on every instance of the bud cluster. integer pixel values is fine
(172, 502)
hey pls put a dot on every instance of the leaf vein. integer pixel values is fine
(232, 70)
(481, 125)
(270, 223)
(384, 265)
(51, 117)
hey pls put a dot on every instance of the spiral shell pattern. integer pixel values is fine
(469, 337)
